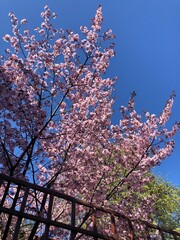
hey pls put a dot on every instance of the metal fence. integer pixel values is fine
(28, 211)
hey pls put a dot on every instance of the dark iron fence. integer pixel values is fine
(31, 212)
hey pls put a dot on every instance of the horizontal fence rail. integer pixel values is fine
(31, 212)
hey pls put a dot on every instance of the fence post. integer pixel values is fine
(34, 229)
(73, 219)
(113, 227)
(94, 223)
(23, 205)
(46, 233)
(132, 235)
(10, 215)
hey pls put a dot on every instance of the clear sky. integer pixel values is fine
(147, 50)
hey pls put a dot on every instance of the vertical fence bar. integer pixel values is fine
(113, 227)
(33, 231)
(3, 199)
(147, 233)
(162, 235)
(132, 234)
(10, 215)
(46, 233)
(94, 223)
(73, 219)
(1, 181)
(23, 205)
(5, 193)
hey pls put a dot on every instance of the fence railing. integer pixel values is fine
(31, 212)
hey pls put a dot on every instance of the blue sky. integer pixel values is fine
(147, 50)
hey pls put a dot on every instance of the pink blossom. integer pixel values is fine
(23, 21)
(7, 38)
(97, 21)
(56, 106)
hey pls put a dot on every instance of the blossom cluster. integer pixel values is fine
(55, 120)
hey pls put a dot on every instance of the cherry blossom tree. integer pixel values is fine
(55, 118)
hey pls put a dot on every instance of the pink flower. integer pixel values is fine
(56, 107)
(7, 38)
(23, 21)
